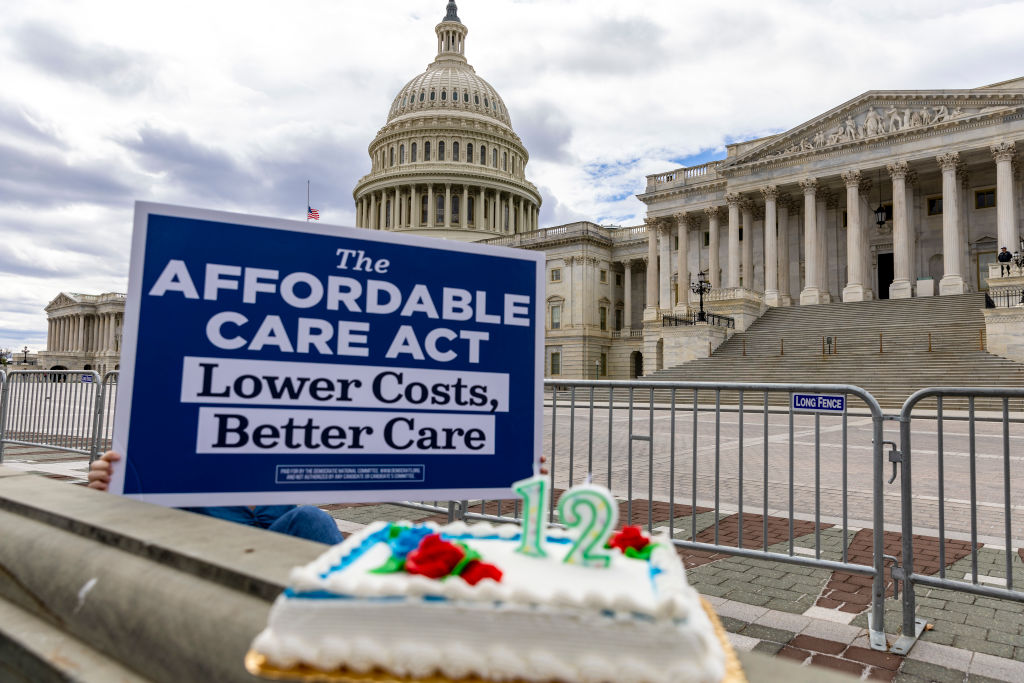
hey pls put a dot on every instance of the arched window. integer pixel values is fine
(404, 99)
(494, 157)
(432, 94)
(476, 99)
(455, 94)
(424, 209)
(401, 154)
(483, 155)
(486, 103)
(444, 95)
(504, 161)
(440, 150)
(469, 152)
(465, 97)
(455, 208)
(470, 206)
(387, 214)
(455, 151)
(392, 157)
(426, 151)
(439, 215)
(413, 152)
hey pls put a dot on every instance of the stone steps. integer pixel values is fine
(905, 365)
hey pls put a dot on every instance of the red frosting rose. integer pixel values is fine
(433, 557)
(629, 537)
(475, 570)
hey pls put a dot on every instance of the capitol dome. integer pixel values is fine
(448, 163)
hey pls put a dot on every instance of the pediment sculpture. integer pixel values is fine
(877, 120)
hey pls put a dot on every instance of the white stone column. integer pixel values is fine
(782, 220)
(901, 287)
(952, 281)
(866, 221)
(747, 244)
(1003, 153)
(811, 293)
(111, 329)
(79, 332)
(714, 264)
(359, 212)
(665, 269)
(733, 265)
(651, 309)
(627, 294)
(821, 224)
(511, 216)
(415, 206)
(965, 204)
(431, 210)
(447, 205)
(368, 219)
(771, 246)
(854, 289)
(682, 263)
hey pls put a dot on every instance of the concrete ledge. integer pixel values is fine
(169, 595)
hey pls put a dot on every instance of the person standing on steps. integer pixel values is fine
(1004, 259)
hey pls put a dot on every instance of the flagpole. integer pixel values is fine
(307, 201)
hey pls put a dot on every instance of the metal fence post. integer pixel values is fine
(97, 419)
(876, 620)
(4, 390)
(910, 626)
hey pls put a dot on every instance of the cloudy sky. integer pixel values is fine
(233, 105)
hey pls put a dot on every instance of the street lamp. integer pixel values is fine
(25, 351)
(880, 211)
(597, 369)
(700, 288)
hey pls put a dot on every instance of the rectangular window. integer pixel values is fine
(604, 276)
(707, 239)
(845, 223)
(604, 317)
(618, 318)
(984, 199)
(618, 279)
(426, 151)
(556, 274)
(556, 362)
(556, 317)
(604, 364)
(935, 206)
(741, 234)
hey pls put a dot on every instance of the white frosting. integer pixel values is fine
(544, 621)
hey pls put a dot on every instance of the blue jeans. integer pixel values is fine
(310, 523)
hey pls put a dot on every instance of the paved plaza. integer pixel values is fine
(814, 615)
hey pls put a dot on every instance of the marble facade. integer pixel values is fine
(83, 332)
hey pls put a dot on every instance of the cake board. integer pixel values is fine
(257, 665)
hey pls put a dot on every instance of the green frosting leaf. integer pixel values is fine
(394, 564)
(468, 557)
(395, 530)
(644, 554)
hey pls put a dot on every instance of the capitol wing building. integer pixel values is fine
(891, 195)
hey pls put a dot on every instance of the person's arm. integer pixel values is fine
(101, 469)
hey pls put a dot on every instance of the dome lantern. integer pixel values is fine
(451, 37)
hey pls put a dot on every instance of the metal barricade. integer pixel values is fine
(51, 408)
(986, 467)
(106, 403)
(599, 430)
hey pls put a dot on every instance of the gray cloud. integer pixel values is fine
(26, 126)
(111, 69)
(553, 212)
(545, 130)
(47, 179)
(610, 47)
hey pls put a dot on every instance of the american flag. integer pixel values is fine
(312, 213)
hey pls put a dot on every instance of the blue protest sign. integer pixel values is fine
(819, 403)
(271, 361)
